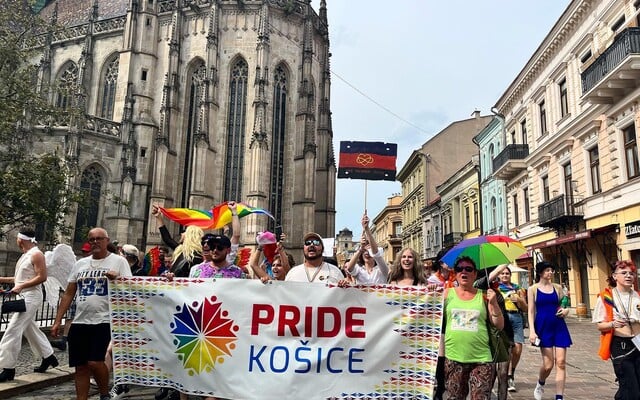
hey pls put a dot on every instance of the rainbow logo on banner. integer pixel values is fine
(203, 335)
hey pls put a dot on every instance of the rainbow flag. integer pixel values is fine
(151, 265)
(222, 213)
(217, 218)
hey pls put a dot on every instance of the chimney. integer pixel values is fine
(476, 114)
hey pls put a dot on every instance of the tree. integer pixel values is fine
(34, 188)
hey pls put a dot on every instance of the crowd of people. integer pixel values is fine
(474, 304)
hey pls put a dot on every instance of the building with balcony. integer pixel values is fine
(574, 197)
(429, 166)
(432, 228)
(345, 245)
(387, 228)
(189, 104)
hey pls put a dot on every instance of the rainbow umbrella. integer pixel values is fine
(487, 251)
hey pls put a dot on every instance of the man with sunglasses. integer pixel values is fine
(314, 269)
(215, 250)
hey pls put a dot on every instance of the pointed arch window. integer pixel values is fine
(277, 148)
(236, 130)
(109, 88)
(66, 84)
(87, 216)
(193, 128)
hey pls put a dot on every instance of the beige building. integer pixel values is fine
(575, 104)
(387, 228)
(429, 166)
(188, 104)
(460, 205)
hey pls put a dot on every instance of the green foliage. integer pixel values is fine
(34, 189)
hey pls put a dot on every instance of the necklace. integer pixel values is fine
(310, 278)
(97, 264)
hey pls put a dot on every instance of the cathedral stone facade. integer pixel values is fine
(191, 103)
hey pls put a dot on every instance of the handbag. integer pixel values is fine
(11, 306)
(498, 341)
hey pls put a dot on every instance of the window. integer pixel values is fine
(516, 215)
(235, 130)
(66, 85)
(543, 118)
(631, 151)
(143, 75)
(564, 105)
(618, 24)
(193, 129)
(109, 88)
(397, 228)
(527, 214)
(87, 216)
(568, 186)
(491, 156)
(476, 215)
(585, 57)
(594, 163)
(494, 212)
(523, 131)
(545, 189)
(278, 142)
(513, 136)
(467, 218)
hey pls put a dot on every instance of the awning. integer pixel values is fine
(562, 240)
(605, 229)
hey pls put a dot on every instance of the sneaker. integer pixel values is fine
(511, 385)
(118, 391)
(92, 382)
(538, 391)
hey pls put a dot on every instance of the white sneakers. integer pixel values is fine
(511, 386)
(539, 390)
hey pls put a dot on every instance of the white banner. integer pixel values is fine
(242, 339)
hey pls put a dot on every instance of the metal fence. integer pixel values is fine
(45, 316)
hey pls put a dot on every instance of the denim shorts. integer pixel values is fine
(518, 327)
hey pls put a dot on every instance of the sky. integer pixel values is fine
(403, 70)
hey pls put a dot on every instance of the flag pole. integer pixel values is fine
(365, 195)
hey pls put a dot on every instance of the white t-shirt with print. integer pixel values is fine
(92, 295)
(325, 273)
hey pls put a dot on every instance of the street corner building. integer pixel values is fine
(189, 104)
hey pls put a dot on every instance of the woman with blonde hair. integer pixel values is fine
(406, 270)
(187, 252)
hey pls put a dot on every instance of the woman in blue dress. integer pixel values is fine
(547, 328)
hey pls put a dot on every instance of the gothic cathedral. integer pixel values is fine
(188, 103)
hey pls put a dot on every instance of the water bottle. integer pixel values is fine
(564, 302)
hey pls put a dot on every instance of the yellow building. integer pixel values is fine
(387, 228)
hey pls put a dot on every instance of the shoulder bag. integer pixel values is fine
(498, 341)
(15, 305)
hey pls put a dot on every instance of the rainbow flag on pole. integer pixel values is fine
(216, 218)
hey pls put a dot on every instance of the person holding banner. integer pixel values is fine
(468, 363)
(367, 266)
(406, 270)
(314, 269)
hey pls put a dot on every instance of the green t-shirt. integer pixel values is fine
(466, 339)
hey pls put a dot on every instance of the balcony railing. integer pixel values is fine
(451, 239)
(560, 210)
(511, 152)
(626, 43)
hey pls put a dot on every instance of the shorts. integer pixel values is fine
(88, 343)
(517, 324)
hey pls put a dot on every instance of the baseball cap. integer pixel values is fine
(311, 235)
(86, 247)
(130, 250)
(219, 239)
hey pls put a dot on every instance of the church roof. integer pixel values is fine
(77, 12)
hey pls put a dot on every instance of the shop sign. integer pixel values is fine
(632, 229)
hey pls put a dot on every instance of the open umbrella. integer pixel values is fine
(486, 251)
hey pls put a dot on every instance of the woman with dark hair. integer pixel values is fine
(406, 271)
(617, 315)
(469, 364)
(547, 328)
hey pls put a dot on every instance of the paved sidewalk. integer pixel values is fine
(588, 377)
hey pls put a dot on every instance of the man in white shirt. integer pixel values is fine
(90, 331)
(314, 269)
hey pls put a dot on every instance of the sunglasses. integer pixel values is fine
(310, 242)
(465, 269)
(213, 246)
(626, 273)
